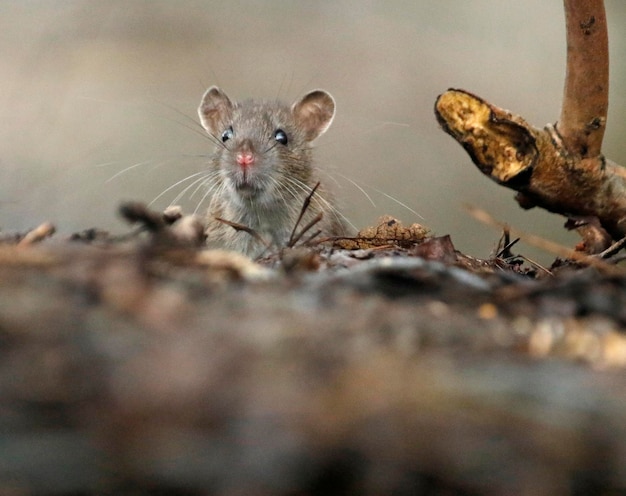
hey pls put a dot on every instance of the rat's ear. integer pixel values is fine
(214, 109)
(314, 113)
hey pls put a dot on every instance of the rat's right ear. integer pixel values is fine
(214, 109)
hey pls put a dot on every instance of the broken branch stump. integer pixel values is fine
(559, 168)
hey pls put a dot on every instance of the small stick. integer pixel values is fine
(506, 251)
(613, 249)
(544, 244)
(241, 227)
(294, 240)
(536, 264)
(38, 234)
(305, 206)
(312, 237)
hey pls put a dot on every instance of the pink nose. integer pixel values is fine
(245, 159)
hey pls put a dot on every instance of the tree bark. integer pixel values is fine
(585, 97)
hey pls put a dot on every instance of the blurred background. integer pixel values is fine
(98, 99)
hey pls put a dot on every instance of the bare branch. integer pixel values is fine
(559, 168)
(535, 162)
(585, 97)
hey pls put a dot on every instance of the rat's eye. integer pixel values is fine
(228, 134)
(281, 136)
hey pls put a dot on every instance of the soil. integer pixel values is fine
(388, 363)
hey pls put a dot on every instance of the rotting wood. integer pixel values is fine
(559, 168)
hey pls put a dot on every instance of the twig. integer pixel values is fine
(240, 227)
(305, 206)
(505, 252)
(293, 240)
(38, 234)
(545, 244)
(536, 264)
(613, 249)
(312, 237)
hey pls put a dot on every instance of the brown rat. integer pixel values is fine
(262, 169)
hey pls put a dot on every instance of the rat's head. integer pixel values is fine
(264, 145)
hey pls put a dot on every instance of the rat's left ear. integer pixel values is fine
(314, 113)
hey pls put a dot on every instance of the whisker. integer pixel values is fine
(385, 124)
(288, 196)
(206, 182)
(397, 201)
(320, 200)
(181, 113)
(355, 184)
(202, 133)
(155, 165)
(196, 128)
(272, 146)
(216, 141)
(127, 169)
(106, 164)
(380, 192)
(174, 185)
(293, 186)
(200, 181)
(192, 124)
(207, 194)
(324, 204)
(187, 155)
(283, 188)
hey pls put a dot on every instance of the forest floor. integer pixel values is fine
(385, 364)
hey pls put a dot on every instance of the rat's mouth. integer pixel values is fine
(248, 185)
(246, 188)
